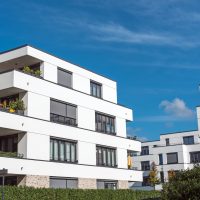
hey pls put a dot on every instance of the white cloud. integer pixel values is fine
(176, 108)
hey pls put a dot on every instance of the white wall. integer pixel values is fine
(49, 72)
(86, 118)
(38, 146)
(38, 106)
(86, 153)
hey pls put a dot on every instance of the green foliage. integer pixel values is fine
(27, 193)
(13, 105)
(20, 104)
(183, 185)
(28, 70)
(153, 175)
(8, 154)
(37, 72)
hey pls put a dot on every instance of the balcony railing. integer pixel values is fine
(62, 119)
(174, 144)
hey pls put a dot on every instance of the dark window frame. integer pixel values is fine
(145, 181)
(100, 156)
(162, 177)
(160, 159)
(195, 157)
(167, 141)
(145, 150)
(68, 72)
(98, 85)
(67, 120)
(99, 119)
(187, 141)
(175, 153)
(59, 141)
(145, 165)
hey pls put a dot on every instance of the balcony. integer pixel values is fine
(12, 104)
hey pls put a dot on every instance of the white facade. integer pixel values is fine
(35, 128)
(183, 144)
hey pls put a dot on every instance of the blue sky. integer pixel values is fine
(150, 47)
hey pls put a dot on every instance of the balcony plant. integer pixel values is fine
(28, 70)
(20, 107)
(37, 72)
(12, 106)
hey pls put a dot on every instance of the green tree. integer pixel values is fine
(183, 185)
(153, 175)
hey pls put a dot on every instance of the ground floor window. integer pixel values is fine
(106, 184)
(145, 181)
(71, 183)
(9, 180)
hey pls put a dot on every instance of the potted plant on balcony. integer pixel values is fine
(12, 106)
(27, 69)
(37, 72)
(20, 107)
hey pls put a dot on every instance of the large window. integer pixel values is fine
(95, 89)
(105, 124)
(195, 157)
(106, 156)
(9, 143)
(64, 78)
(172, 158)
(188, 140)
(101, 184)
(145, 150)
(70, 183)
(63, 113)
(145, 165)
(63, 151)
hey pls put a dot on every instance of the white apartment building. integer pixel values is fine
(61, 125)
(174, 151)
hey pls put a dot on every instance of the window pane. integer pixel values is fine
(67, 147)
(104, 157)
(51, 149)
(55, 150)
(62, 150)
(58, 108)
(73, 153)
(71, 111)
(113, 158)
(64, 78)
(72, 183)
(109, 157)
(57, 183)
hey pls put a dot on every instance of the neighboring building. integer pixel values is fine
(72, 133)
(174, 151)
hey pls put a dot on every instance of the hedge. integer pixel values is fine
(28, 193)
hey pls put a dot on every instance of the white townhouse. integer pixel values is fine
(61, 125)
(173, 152)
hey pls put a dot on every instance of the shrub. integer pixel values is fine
(28, 193)
(183, 185)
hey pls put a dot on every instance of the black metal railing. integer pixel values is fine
(62, 119)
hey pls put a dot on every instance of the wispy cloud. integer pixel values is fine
(175, 110)
(112, 32)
